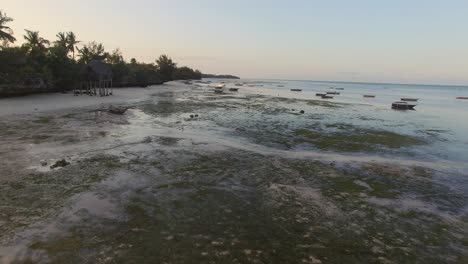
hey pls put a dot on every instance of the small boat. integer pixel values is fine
(218, 91)
(320, 94)
(409, 99)
(327, 96)
(369, 96)
(296, 90)
(234, 89)
(339, 89)
(238, 84)
(462, 97)
(403, 106)
(337, 93)
(220, 86)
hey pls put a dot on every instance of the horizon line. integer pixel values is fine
(358, 82)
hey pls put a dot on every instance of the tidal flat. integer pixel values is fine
(188, 176)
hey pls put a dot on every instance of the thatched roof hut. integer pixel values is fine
(98, 70)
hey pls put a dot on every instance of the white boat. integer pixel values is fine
(220, 86)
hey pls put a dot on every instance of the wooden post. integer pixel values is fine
(104, 87)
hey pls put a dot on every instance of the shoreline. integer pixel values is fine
(47, 102)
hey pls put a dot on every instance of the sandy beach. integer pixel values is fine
(56, 101)
(234, 177)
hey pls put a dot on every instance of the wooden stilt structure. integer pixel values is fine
(98, 78)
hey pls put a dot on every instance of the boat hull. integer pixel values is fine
(409, 99)
(403, 106)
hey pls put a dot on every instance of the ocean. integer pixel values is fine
(439, 116)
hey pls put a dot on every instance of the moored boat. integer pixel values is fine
(234, 89)
(337, 93)
(409, 99)
(462, 97)
(327, 96)
(320, 94)
(296, 90)
(368, 96)
(220, 86)
(403, 106)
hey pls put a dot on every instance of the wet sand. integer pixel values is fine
(250, 180)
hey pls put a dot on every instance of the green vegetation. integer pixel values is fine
(40, 65)
(357, 141)
(6, 34)
(43, 120)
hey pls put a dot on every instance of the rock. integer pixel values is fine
(192, 116)
(118, 110)
(60, 164)
(196, 115)
(43, 163)
(302, 112)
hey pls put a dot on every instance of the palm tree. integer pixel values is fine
(71, 40)
(92, 51)
(34, 42)
(6, 34)
(62, 40)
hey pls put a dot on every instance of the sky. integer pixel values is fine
(397, 41)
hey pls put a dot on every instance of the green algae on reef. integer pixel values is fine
(240, 207)
(362, 140)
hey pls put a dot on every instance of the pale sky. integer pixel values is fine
(401, 41)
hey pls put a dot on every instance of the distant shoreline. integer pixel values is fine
(221, 76)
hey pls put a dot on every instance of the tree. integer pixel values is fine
(34, 41)
(62, 40)
(115, 57)
(71, 41)
(6, 33)
(166, 67)
(186, 73)
(92, 51)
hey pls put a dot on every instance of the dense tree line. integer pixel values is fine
(59, 64)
